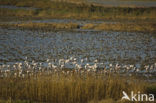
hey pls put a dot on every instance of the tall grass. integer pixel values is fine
(73, 88)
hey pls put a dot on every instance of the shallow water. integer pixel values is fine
(125, 3)
(106, 47)
(79, 22)
(15, 7)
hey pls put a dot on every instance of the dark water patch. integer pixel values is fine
(16, 7)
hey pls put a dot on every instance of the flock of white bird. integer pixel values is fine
(70, 66)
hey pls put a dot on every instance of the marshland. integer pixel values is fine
(77, 51)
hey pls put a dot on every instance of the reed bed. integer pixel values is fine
(72, 88)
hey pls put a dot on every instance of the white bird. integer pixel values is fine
(15, 74)
(71, 58)
(131, 66)
(67, 61)
(147, 68)
(86, 66)
(48, 60)
(95, 66)
(95, 61)
(74, 59)
(110, 65)
(82, 60)
(53, 66)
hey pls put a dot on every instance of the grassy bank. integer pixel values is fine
(136, 27)
(46, 26)
(60, 88)
(66, 9)
(130, 27)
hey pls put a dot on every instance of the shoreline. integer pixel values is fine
(125, 27)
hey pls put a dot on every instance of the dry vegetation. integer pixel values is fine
(73, 88)
(46, 26)
(137, 27)
(72, 9)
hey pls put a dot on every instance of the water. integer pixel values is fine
(15, 7)
(79, 22)
(125, 3)
(106, 47)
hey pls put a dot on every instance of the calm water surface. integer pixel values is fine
(116, 3)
